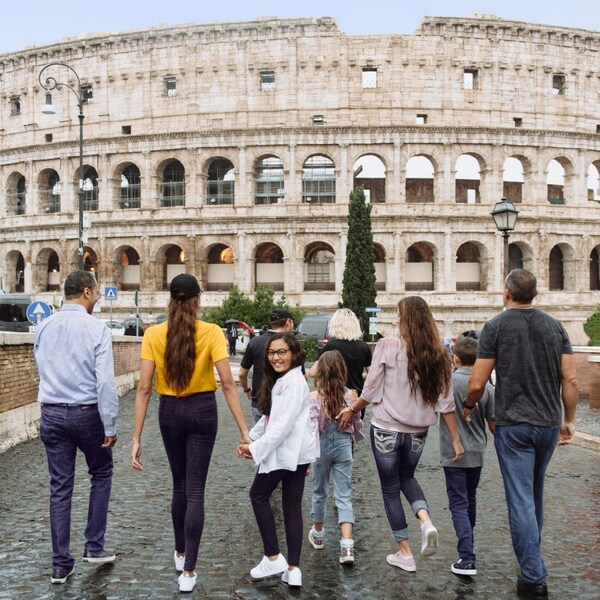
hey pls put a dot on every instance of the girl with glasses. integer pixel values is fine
(283, 446)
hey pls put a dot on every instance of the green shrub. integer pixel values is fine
(592, 328)
(311, 349)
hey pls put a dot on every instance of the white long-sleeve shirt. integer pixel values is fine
(286, 439)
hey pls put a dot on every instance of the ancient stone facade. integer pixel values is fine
(229, 151)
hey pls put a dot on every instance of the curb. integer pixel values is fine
(587, 441)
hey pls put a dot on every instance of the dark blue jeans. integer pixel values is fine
(189, 429)
(397, 456)
(461, 486)
(64, 429)
(292, 488)
(524, 452)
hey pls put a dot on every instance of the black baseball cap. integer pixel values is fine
(184, 286)
(280, 314)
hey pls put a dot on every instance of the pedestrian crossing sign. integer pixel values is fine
(110, 293)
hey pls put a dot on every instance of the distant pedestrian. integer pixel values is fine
(73, 352)
(345, 335)
(462, 478)
(532, 355)
(283, 446)
(334, 451)
(232, 336)
(409, 383)
(254, 356)
(183, 351)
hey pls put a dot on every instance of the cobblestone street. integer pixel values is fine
(140, 530)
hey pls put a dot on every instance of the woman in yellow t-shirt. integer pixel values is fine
(183, 351)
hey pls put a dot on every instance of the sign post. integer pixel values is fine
(373, 310)
(110, 294)
(37, 312)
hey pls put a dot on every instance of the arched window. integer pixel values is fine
(593, 181)
(419, 267)
(468, 267)
(595, 269)
(269, 266)
(269, 184)
(513, 179)
(515, 257)
(130, 188)
(220, 268)
(369, 173)
(90, 261)
(173, 185)
(319, 264)
(467, 180)
(15, 194)
(220, 187)
(129, 269)
(90, 189)
(50, 190)
(419, 180)
(318, 180)
(557, 274)
(380, 274)
(555, 182)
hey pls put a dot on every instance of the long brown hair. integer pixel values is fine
(330, 382)
(270, 376)
(429, 367)
(180, 354)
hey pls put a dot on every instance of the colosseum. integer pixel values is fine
(229, 151)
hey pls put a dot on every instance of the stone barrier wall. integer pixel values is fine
(19, 410)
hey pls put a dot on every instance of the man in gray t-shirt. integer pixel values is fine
(535, 368)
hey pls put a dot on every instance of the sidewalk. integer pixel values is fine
(140, 530)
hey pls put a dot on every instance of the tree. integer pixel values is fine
(359, 290)
(592, 328)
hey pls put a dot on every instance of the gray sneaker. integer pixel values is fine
(406, 563)
(316, 541)
(99, 557)
(347, 554)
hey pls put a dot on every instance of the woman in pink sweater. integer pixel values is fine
(409, 383)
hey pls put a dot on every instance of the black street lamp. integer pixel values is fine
(49, 84)
(505, 217)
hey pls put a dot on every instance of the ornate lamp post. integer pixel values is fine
(505, 217)
(49, 84)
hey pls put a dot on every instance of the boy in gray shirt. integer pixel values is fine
(462, 478)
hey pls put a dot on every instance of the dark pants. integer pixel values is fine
(232, 341)
(64, 429)
(189, 428)
(461, 485)
(292, 488)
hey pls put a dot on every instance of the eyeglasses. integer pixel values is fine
(279, 353)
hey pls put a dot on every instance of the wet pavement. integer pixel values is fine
(140, 530)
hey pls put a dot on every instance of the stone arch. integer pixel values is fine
(171, 176)
(419, 267)
(269, 183)
(49, 191)
(318, 180)
(595, 268)
(170, 261)
(90, 188)
(561, 268)
(220, 181)
(16, 192)
(128, 186)
(513, 178)
(220, 268)
(125, 265)
(90, 261)
(269, 266)
(319, 267)
(470, 268)
(46, 271)
(380, 267)
(14, 272)
(420, 179)
(593, 181)
(467, 179)
(369, 172)
(557, 170)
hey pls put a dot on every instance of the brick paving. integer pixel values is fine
(140, 530)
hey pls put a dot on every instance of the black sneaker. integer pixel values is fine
(460, 568)
(61, 575)
(98, 557)
(531, 590)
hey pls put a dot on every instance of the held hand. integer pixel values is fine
(459, 451)
(243, 451)
(109, 441)
(567, 430)
(136, 456)
(344, 417)
(467, 412)
(246, 439)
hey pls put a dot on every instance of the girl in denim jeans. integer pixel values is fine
(334, 450)
(409, 383)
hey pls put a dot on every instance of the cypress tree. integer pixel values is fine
(359, 290)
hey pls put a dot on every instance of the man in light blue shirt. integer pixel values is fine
(73, 352)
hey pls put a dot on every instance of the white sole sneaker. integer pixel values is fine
(293, 578)
(179, 561)
(429, 539)
(63, 578)
(267, 568)
(187, 583)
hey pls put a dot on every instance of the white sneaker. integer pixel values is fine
(179, 561)
(267, 568)
(429, 539)
(187, 582)
(292, 577)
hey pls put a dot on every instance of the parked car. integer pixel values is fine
(314, 327)
(13, 312)
(116, 327)
(133, 326)
(160, 318)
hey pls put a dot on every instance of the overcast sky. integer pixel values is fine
(37, 22)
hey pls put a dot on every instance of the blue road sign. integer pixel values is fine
(110, 293)
(37, 312)
(373, 309)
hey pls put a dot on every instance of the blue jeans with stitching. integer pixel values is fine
(524, 452)
(397, 456)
